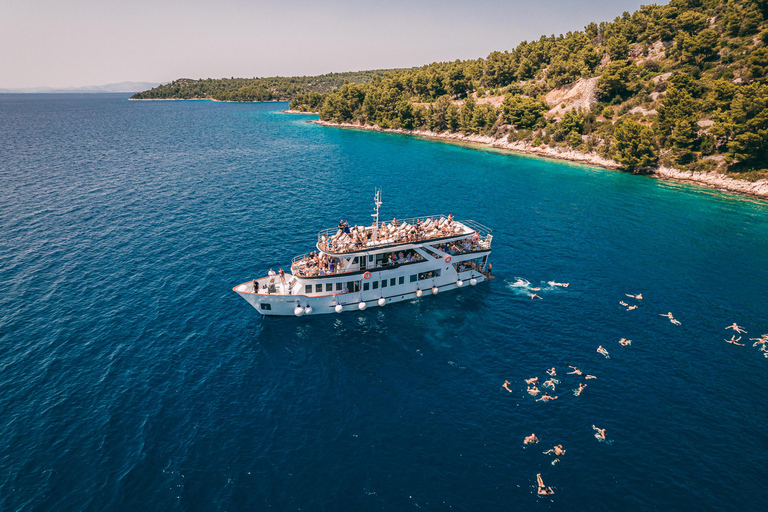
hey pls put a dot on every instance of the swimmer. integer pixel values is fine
(575, 371)
(552, 283)
(639, 296)
(532, 380)
(531, 439)
(601, 350)
(671, 318)
(760, 341)
(506, 386)
(557, 451)
(577, 392)
(625, 342)
(736, 328)
(551, 372)
(551, 383)
(535, 296)
(587, 377)
(623, 303)
(630, 308)
(599, 433)
(734, 341)
(546, 397)
(536, 289)
(533, 391)
(543, 490)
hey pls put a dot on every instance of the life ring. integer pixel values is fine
(447, 259)
(367, 275)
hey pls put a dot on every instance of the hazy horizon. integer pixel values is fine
(88, 43)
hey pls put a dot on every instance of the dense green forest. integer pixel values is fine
(255, 89)
(682, 84)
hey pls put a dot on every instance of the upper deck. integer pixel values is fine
(411, 231)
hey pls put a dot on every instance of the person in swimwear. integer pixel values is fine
(734, 341)
(601, 350)
(577, 392)
(551, 383)
(575, 371)
(535, 296)
(639, 296)
(599, 433)
(533, 391)
(531, 439)
(543, 490)
(625, 342)
(672, 318)
(586, 377)
(506, 386)
(551, 372)
(546, 397)
(557, 451)
(736, 328)
(532, 380)
(630, 308)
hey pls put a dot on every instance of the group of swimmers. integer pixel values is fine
(761, 342)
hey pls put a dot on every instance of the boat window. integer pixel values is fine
(384, 283)
(338, 287)
(429, 275)
(353, 286)
(413, 278)
(267, 307)
(308, 289)
(392, 281)
(318, 288)
(366, 286)
(370, 257)
(356, 260)
(402, 280)
(375, 285)
(329, 287)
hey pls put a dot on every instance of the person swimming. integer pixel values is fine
(546, 397)
(672, 318)
(535, 296)
(625, 342)
(532, 380)
(639, 296)
(543, 490)
(558, 452)
(551, 383)
(575, 371)
(551, 372)
(736, 328)
(623, 303)
(587, 377)
(599, 433)
(630, 308)
(577, 392)
(533, 390)
(506, 386)
(601, 350)
(552, 283)
(521, 283)
(734, 341)
(531, 439)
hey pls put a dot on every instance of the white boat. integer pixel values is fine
(359, 267)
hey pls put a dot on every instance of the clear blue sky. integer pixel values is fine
(63, 43)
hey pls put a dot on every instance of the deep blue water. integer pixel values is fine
(133, 378)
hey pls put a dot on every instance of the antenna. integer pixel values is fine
(377, 202)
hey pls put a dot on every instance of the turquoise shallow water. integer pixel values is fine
(133, 378)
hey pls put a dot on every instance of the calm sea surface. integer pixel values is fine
(133, 378)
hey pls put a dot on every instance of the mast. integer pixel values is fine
(377, 202)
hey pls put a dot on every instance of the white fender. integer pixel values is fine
(361, 305)
(434, 290)
(308, 309)
(298, 311)
(419, 293)
(382, 301)
(473, 281)
(338, 308)
(459, 283)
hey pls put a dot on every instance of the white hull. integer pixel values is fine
(279, 304)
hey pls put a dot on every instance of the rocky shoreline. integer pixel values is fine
(757, 189)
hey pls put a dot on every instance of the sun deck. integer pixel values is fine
(414, 230)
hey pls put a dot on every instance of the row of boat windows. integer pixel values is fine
(354, 286)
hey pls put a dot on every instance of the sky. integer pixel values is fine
(72, 43)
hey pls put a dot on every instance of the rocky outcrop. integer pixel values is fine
(579, 94)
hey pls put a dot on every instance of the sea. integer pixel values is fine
(133, 378)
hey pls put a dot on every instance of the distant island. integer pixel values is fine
(116, 87)
(678, 90)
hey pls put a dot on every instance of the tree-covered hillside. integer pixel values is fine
(255, 89)
(683, 84)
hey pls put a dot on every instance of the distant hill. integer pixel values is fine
(117, 87)
(274, 88)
